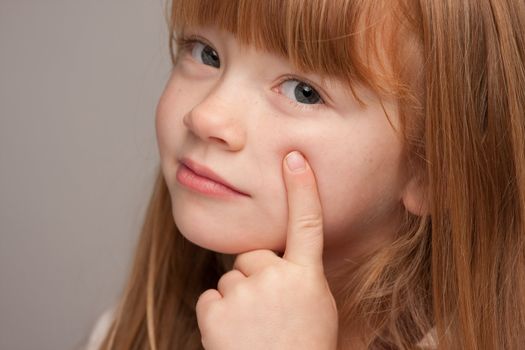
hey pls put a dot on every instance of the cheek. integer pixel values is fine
(360, 189)
(169, 114)
(162, 124)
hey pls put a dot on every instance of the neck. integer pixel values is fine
(343, 266)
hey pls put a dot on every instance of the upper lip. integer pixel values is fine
(203, 171)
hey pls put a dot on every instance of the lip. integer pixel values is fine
(209, 174)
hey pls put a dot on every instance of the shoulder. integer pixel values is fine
(100, 329)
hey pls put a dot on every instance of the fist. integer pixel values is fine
(269, 302)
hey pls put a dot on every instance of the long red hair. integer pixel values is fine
(457, 69)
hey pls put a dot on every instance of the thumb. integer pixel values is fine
(304, 240)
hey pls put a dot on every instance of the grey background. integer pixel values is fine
(79, 83)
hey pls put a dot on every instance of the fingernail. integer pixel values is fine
(295, 162)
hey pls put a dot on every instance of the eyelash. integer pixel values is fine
(302, 106)
(185, 44)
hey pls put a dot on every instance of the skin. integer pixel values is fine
(269, 302)
(240, 119)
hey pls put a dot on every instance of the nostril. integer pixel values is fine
(217, 139)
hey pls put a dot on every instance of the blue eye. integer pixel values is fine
(301, 92)
(205, 54)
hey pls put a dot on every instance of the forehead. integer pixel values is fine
(322, 35)
(355, 42)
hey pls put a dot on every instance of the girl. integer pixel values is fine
(403, 223)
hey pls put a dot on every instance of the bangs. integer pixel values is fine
(350, 40)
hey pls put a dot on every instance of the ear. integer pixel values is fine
(414, 197)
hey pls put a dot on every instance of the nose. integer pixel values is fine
(216, 119)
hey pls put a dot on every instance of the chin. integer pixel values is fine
(215, 245)
(219, 238)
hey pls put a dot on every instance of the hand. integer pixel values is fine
(268, 302)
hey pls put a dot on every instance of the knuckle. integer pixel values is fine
(310, 221)
(205, 305)
(240, 292)
(242, 258)
(271, 274)
(247, 259)
(228, 280)
(239, 260)
(221, 284)
(223, 279)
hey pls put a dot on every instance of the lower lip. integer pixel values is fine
(204, 185)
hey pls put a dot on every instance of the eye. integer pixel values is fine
(300, 92)
(205, 54)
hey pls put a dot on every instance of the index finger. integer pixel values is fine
(304, 239)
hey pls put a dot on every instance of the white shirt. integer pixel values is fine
(100, 330)
(104, 323)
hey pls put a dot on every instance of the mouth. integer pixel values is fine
(201, 179)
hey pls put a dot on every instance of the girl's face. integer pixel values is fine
(238, 112)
